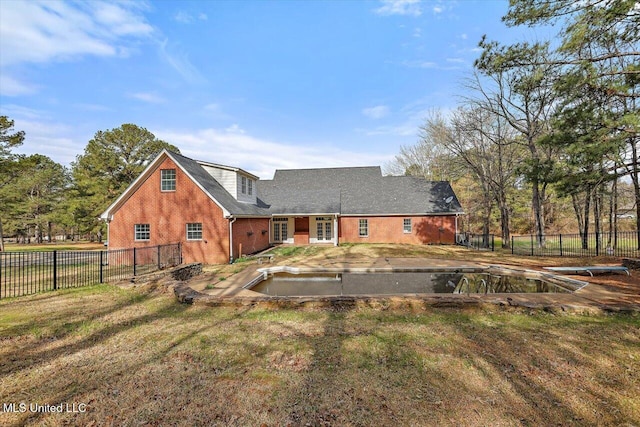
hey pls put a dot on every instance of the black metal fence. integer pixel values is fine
(23, 273)
(621, 244)
(476, 241)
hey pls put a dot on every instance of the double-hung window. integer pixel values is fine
(243, 185)
(142, 232)
(167, 180)
(250, 183)
(194, 231)
(406, 225)
(363, 228)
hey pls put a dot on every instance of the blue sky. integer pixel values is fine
(255, 84)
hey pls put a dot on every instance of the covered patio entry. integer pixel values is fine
(305, 230)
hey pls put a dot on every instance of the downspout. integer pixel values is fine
(456, 235)
(108, 229)
(231, 239)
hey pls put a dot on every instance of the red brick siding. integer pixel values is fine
(167, 213)
(249, 233)
(301, 232)
(389, 229)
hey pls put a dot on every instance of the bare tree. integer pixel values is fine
(524, 96)
(484, 142)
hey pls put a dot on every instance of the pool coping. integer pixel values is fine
(572, 285)
(593, 298)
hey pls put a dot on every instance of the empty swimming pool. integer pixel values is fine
(288, 281)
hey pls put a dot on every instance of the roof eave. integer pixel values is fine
(404, 214)
(229, 168)
(108, 213)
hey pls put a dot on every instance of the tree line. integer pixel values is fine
(544, 127)
(41, 199)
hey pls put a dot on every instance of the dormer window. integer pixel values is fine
(250, 187)
(243, 185)
(167, 180)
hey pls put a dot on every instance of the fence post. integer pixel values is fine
(560, 244)
(134, 261)
(101, 266)
(493, 242)
(512, 242)
(159, 264)
(180, 252)
(55, 270)
(597, 243)
(532, 245)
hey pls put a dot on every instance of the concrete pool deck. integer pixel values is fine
(603, 293)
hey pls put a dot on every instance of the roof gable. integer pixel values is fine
(200, 177)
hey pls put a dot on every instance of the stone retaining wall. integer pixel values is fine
(180, 273)
(187, 271)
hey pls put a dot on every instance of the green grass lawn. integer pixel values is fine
(136, 357)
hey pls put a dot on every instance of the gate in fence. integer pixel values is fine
(476, 241)
(23, 273)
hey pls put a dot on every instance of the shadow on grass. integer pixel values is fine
(469, 375)
(308, 405)
(32, 356)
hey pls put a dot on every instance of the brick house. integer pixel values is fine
(220, 212)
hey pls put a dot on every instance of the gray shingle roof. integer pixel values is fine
(218, 192)
(355, 191)
(344, 191)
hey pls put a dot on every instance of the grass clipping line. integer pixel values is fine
(135, 356)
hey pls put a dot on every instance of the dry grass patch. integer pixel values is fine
(136, 357)
(59, 246)
(363, 252)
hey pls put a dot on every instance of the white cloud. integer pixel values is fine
(179, 61)
(417, 32)
(399, 7)
(412, 116)
(403, 129)
(456, 60)
(260, 156)
(235, 128)
(377, 112)
(12, 87)
(151, 98)
(183, 17)
(54, 140)
(186, 18)
(464, 36)
(437, 9)
(44, 31)
(214, 111)
(40, 32)
(21, 112)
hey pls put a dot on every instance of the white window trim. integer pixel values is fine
(404, 229)
(367, 228)
(243, 184)
(162, 181)
(250, 187)
(187, 231)
(135, 233)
